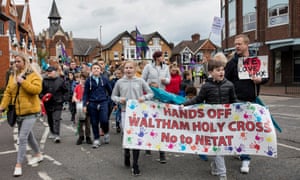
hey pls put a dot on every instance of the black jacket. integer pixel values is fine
(213, 92)
(59, 90)
(245, 89)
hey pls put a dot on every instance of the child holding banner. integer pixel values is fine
(216, 90)
(130, 87)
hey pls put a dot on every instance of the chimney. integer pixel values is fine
(196, 37)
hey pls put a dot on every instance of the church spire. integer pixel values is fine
(54, 14)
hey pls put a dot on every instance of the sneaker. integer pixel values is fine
(79, 140)
(222, 178)
(213, 169)
(88, 140)
(57, 139)
(135, 171)
(18, 171)
(245, 167)
(106, 139)
(96, 143)
(51, 136)
(36, 159)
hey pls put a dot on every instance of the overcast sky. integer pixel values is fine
(175, 20)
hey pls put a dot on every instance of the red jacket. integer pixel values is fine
(174, 86)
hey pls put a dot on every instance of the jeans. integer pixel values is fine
(98, 116)
(25, 125)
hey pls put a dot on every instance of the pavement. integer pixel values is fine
(280, 91)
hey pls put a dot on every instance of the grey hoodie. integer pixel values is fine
(131, 89)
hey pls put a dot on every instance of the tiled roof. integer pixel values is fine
(193, 46)
(83, 47)
(116, 39)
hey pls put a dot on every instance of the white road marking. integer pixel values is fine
(44, 176)
(287, 146)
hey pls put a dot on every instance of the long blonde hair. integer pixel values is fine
(27, 67)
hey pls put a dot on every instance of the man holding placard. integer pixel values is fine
(246, 86)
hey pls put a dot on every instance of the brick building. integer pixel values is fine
(273, 29)
(194, 52)
(16, 34)
(56, 44)
(123, 47)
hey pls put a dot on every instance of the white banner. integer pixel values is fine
(229, 129)
(253, 66)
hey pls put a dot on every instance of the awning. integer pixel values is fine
(282, 43)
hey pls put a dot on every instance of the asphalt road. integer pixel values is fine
(67, 161)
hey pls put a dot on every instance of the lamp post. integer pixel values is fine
(100, 39)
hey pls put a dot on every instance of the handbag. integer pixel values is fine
(11, 112)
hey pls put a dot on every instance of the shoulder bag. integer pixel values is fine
(11, 112)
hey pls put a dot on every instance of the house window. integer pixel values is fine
(186, 57)
(232, 17)
(126, 41)
(132, 53)
(156, 41)
(166, 55)
(199, 56)
(116, 55)
(2, 27)
(249, 15)
(278, 12)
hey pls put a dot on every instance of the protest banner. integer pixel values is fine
(253, 66)
(229, 129)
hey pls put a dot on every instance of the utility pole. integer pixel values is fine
(100, 39)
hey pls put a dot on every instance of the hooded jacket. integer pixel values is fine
(28, 101)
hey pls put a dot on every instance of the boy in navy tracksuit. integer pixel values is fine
(97, 90)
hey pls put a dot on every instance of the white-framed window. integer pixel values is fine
(132, 53)
(116, 55)
(126, 41)
(278, 13)
(156, 41)
(186, 57)
(199, 56)
(232, 17)
(249, 15)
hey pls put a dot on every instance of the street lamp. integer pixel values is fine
(100, 39)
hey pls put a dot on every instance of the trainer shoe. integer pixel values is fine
(36, 159)
(18, 171)
(135, 171)
(245, 167)
(213, 169)
(222, 177)
(51, 136)
(96, 143)
(106, 139)
(57, 139)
